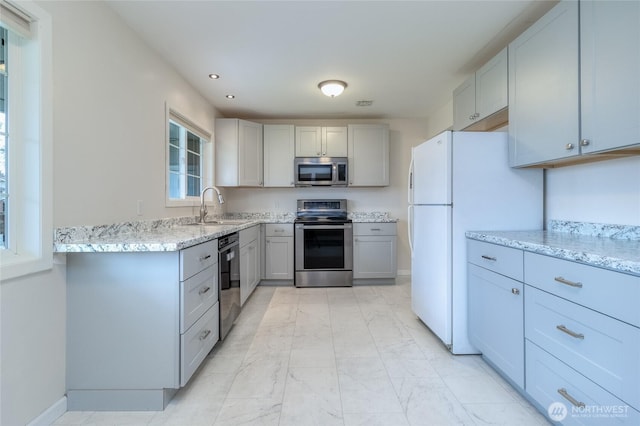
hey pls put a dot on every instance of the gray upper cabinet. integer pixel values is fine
(574, 88)
(483, 94)
(238, 152)
(610, 74)
(543, 89)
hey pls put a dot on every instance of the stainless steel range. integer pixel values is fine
(323, 242)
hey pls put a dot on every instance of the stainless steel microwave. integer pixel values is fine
(320, 171)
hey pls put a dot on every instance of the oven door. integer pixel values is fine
(321, 247)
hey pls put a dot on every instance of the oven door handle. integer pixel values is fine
(344, 226)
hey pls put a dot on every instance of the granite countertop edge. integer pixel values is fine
(620, 255)
(171, 234)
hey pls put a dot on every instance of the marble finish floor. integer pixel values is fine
(333, 356)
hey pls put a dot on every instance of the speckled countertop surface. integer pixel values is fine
(615, 247)
(170, 234)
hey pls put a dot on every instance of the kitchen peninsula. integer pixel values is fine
(144, 303)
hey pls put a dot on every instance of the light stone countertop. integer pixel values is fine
(171, 234)
(612, 247)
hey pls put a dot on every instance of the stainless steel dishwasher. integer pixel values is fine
(228, 281)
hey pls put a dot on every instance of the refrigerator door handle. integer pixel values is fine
(410, 181)
(409, 226)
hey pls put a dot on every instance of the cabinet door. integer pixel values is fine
(249, 154)
(543, 88)
(368, 154)
(464, 104)
(334, 142)
(279, 152)
(308, 141)
(374, 256)
(249, 270)
(279, 258)
(496, 320)
(610, 66)
(492, 86)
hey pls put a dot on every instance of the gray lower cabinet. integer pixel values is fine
(374, 252)
(496, 306)
(138, 325)
(278, 251)
(249, 261)
(567, 334)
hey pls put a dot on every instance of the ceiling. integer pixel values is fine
(405, 56)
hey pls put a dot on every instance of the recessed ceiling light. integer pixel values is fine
(214, 76)
(230, 96)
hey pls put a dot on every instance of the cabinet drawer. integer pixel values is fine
(196, 343)
(374, 228)
(249, 234)
(503, 260)
(604, 349)
(546, 377)
(197, 258)
(612, 293)
(197, 294)
(495, 320)
(279, 229)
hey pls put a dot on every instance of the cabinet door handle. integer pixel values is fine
(567, 282)
(278, 230)
(491, 258)
(376, 229)
(203, 290)
(203, 258)
(515, 291)
(204, 334)
(570, 332)
(584, 142)
(569, 146)
(572, 400)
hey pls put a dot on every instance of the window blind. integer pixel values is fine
(15, 19)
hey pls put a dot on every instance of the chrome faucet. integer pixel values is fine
(203, 207)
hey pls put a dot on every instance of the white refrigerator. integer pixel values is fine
(458, 182)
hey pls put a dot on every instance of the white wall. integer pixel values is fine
(110, 94)
(393, 199)
(602, 192)
(109, 151)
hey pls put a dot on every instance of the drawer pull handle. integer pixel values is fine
(205, 334)
(570, 332)
(278, 230)
(572, 400)
(203, 290)
(376, 229)
(203, 258)
(515, 291)
(491, 258)
(567, 282)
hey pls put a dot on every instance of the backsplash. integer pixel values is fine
(605, 230)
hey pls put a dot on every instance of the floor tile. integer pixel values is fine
(333, 356)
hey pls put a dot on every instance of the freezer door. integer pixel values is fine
(431, 269)
(432, 171)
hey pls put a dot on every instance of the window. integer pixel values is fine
(186, 166)
(26, 219)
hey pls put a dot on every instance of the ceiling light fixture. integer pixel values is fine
(214, 76)
(332, 88)
(230, 96)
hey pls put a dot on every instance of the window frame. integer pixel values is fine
(172, 115)
(30, 162)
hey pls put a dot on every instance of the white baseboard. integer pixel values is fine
(51, 414)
